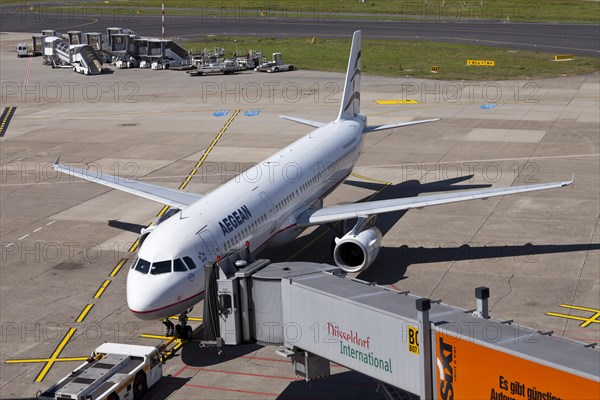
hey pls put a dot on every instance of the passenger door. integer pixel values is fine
(271, 215)
(209, 247)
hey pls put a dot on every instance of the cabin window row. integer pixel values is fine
(244, 232)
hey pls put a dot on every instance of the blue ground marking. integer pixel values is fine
(252, 113)
(488, 106)
(220, 113)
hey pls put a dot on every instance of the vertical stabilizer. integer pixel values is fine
(351, 97)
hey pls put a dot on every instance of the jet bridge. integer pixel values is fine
(412, 346)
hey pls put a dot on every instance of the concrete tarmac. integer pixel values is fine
(63, 239)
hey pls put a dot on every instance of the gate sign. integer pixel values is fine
(413, 340)
(468, 370)
(373, 343)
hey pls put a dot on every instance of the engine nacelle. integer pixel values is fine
(356, 252)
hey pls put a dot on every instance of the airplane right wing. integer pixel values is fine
(347, 211)
(172, 197)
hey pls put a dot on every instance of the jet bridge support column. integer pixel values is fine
(246, 317)
(482, 294)
(423, 306)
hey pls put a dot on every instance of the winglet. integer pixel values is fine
(568, 183)
(57, 162)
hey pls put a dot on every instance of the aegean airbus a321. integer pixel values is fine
(269, 210)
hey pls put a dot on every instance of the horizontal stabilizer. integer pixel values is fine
(303, 121)
(377, 128)
(348, 211)
(172, 197)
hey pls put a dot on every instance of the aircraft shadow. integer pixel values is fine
(322, 236)
(125, 226)
(392, 263)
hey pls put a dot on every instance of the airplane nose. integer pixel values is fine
(142, 299)
(152, 297)
(146, 295)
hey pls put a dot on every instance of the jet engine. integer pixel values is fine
(357, 249)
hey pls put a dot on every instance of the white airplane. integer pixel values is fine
(269, 204)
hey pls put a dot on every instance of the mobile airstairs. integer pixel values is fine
(81, 58)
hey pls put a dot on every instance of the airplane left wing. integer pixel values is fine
(314, 124)
(347, 211)
(172, 197)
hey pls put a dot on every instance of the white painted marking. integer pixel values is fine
(50, 223)
(38, 229)
(28, 71)
(23, 237)
(8, 245)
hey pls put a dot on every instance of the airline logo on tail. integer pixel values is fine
(351, 97)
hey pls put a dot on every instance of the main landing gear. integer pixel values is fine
(182, 330)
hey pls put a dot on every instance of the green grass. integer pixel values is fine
(516, 10)
(407, 58)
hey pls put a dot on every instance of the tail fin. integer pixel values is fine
(351, 97)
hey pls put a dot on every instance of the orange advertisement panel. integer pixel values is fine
(469, 371)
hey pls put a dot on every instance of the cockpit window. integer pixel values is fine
(161, 267)
(189, 262)
(142, 266)
(179, 266)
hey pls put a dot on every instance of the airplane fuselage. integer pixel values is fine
(257, 208)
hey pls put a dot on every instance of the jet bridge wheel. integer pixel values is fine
(113, 396)
(187, 332)
(139, 386)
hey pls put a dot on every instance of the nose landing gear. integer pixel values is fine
(182, 330)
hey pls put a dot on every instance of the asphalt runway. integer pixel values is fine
(578, 39)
